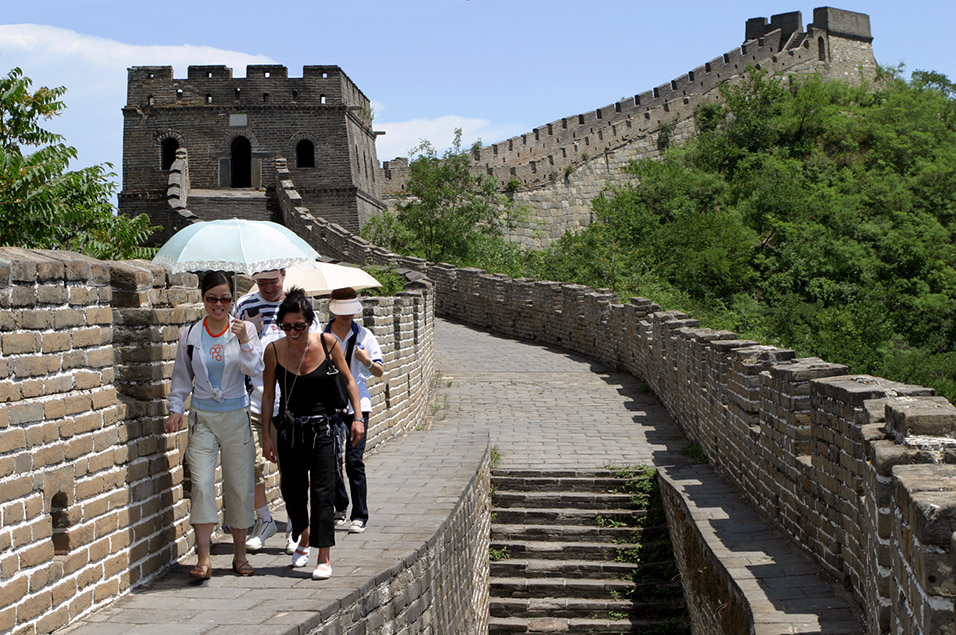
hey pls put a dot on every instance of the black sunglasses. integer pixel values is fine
(298, 326)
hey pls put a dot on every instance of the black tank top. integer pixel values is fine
(311, 392)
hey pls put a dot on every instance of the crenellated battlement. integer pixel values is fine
(545, 160)
(212, 85)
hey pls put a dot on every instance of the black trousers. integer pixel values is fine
(307, 469)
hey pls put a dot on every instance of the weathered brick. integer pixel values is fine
(9, 391)
(25, 412)
(83, 295)
(42, 433)
(88, 337)
(104, 398)
(13, 589)
(68, 318)
(100, 357)
(19, 343)
(32, 366)
(35, 319)
(47, 294)
(23, 296)
(31, 388)
(78, 446)
(56, 342)
(99, 315)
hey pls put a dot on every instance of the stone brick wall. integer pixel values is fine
(857, 470)
(442, 588)
(92, 492)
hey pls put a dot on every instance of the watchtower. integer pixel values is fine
(233, 129)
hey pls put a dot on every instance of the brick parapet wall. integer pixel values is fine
(93, 494)
(806, 443)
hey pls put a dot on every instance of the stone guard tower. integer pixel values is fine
(232, 129)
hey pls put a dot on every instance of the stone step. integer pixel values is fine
(562, 516)
(518, 587)
(576, 533)
(540, 549)
(568, 500)
(533, 568)
(602, 485)
(586, 607)
(546, 625)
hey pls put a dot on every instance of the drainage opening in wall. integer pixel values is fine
(61, 524)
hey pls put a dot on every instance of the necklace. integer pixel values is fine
(285, 378)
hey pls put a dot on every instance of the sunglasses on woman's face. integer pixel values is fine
(211, 299)
(298, 326)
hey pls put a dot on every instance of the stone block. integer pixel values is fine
(929, 416)
(926, 497)
(19, 343)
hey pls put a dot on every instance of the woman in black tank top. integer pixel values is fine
(299, 364)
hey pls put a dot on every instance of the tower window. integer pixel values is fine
(265, 98)
(821, 50)
(208, 99)
(238, 94)
(149, 100)
(321, 99)
(305, 154)
(179, 93)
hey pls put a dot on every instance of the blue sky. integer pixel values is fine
(495, 68)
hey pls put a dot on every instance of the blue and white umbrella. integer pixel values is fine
(234, 244)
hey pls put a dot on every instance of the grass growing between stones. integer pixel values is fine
(656, 578)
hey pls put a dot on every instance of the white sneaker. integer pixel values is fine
(290, 543)
(300, 557)
(357, 527)
(322, 572)
(340, 522)
(260, 533)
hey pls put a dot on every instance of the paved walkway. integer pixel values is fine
(545, 410)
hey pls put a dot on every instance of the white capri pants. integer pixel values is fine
(210, 432)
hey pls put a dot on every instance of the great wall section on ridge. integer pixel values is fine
(857, 470)
(564, 164)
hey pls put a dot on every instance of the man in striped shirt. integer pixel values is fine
(260, 308)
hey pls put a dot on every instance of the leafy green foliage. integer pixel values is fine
(447, 212)
(392, 281)
(805, 213)
(42, 203)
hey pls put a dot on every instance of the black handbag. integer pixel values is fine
(339, 399)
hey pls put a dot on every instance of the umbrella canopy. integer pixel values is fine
(234, 244)
(323, 277)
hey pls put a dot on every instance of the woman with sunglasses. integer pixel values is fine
(300, 364)
(213, 359)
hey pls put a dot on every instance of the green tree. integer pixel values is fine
(45, 205)
(446, 208)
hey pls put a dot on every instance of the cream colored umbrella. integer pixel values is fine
(322, 277)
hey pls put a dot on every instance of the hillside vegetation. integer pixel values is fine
(806, 213)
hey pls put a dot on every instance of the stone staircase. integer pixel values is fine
(571, 554)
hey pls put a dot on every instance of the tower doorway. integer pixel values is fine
(241, 162)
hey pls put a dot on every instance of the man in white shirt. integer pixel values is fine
(365, 361)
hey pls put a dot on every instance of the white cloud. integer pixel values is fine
(93, 69)
(401, 136)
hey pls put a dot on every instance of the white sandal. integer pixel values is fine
(300, 557)
(322, 572)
